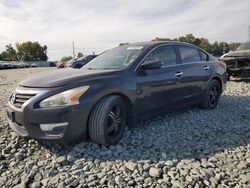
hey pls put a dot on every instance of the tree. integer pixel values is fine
(235, 45)
(31, 51)
(11, 53)
(204, 44)
(66, 58)
(79, 55)
(3, 56)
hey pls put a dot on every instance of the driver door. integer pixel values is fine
(158, 89)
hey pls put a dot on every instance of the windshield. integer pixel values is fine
(115, 58)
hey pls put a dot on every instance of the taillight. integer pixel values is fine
(223, 65)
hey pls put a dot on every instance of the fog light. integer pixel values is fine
(50, 126)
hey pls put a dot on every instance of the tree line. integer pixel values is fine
(33, 51)
(216, 48)
(26, 51)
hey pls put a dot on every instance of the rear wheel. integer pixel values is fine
(212, 95)
(107, 121)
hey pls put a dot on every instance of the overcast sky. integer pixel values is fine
(97, 25)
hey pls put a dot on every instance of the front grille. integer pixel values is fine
(17, 99)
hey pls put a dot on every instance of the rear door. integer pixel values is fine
(158, 89)
(195, 71)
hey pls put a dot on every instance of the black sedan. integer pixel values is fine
(80, 62)
(126, 83)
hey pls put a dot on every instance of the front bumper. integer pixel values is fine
(69, 123)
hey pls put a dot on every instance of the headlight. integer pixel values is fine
(69, 97)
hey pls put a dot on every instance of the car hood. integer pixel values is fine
(238, 53)
(63, 77)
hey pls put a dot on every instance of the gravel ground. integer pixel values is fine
(189, 148)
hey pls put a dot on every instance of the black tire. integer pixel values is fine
(212, 95)
(107, 120)
(228, 76)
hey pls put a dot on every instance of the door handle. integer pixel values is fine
(206, 67)
(178, 73)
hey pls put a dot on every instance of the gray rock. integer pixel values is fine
(131, 166)
(36, 185)
(45, 182)
(74, 183)
(245, 178)
(60, 159)
(155, 172)
(118, 180)
(38, 177)
(177, 184)
(213, 181)
(147, 180)
(54, 180)
(70, 158)
(61, 185)
(241, 165)
(103, 180)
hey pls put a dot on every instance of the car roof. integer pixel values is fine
(156, 43)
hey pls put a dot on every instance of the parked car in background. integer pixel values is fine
(22, 65)
(80, 62)
(7, 65)
(33, 65)
(60, 64)
(27, 65)
(129, 82)
(238, 62)
(15, 65)
(1, 66)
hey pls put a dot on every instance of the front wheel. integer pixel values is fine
(107, 120)
(212, 95)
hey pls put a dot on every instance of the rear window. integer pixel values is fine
(188, 54)
(204, 56)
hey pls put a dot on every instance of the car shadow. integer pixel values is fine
(188, 134)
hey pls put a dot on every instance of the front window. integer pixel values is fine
(165, 54)
(115, 58)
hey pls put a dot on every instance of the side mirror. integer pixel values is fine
(151, 65)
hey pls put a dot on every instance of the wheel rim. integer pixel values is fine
(213, 95)
(115, 121)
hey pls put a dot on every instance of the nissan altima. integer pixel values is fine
(114, 90)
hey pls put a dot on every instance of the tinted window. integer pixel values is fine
(165, 54)
(189, 54)
(204, 56)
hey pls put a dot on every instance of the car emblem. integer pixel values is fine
(13, 98)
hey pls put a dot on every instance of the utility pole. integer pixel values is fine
(73, 50)
(249, 33)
